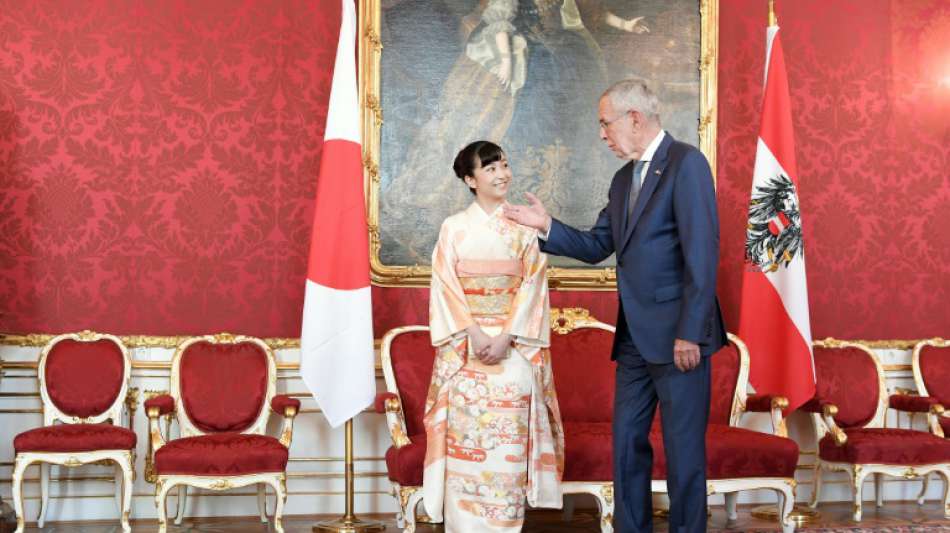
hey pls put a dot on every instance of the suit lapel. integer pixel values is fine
(620, 208)
(654, 172)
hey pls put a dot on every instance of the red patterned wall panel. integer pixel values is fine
(157, 163)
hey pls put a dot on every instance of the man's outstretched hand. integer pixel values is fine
(533, 215)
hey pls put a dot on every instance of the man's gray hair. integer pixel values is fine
(634, 94)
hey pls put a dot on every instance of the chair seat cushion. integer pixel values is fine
(588, 451)
(221, 454)
(405, 464)
(74, 438)
(886, 446)
(737, 453)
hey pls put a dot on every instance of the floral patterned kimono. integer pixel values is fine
(494, 435)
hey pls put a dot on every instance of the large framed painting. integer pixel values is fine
(435, 77)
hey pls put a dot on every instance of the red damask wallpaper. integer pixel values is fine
(157, 163)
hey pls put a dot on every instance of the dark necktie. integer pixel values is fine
(634, 188)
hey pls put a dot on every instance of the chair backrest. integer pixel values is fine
(729, 382)
(932, 369)
(583, 372)
(223, 383)
(407, 356)
(84, 378)
(851, 377)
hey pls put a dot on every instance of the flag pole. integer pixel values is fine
(800, 515)
(349, 523)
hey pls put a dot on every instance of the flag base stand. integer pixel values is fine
(349, 523)
(801, 515)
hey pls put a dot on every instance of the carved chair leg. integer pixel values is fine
(262, 501)
(858, 485)
(731, 498)
(182, 504)
(125, 507)
(280, 489)
(816, 487)
(923, 490)
(400, 518)
(44, 493)
(606, 502)
(19, 469)
(786, 502)
(161, 493)
(410, 511)
(117, 475)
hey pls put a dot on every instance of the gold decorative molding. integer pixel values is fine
(370, 55)
(131, 341)
(567, 319)
(284, 343)
(221, 484)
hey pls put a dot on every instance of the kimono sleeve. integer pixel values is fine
(449, 314)
(529, 320)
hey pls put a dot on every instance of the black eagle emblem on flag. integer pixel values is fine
(774, 233)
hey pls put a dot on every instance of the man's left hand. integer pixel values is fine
(685, 355)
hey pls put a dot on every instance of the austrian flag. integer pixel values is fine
(774, 319)
(336, 341)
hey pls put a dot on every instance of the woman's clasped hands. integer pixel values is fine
(489, 350)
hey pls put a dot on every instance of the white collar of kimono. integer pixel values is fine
(476, 211)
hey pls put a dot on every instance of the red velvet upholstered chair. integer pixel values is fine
(584, 378)
(84, 378)
(407, 357)
(739, 459)
(849, 410)
(222, 393)
(931, 364)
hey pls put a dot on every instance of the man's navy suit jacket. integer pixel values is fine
(667, 252)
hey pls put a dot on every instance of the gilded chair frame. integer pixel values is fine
(407, 497)
(564, 321)
(825, 424)
(164, 483)
(730, 487)
(936, 342)
(123, 459)
(921, 386)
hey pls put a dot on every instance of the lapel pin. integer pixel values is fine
(657, 172)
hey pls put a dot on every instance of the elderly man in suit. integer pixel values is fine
(661, 222)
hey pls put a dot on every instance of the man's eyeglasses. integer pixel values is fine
(605, 124)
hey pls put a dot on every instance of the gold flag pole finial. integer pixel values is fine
(773, 20)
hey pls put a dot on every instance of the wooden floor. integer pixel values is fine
(894, 517)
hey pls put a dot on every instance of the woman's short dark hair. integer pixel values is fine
(484, 152)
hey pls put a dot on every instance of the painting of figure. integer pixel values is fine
(526, 74)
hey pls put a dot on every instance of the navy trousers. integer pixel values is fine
(684, 410)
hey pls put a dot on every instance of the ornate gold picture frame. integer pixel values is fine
(408, 167)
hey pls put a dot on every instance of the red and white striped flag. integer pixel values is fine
(774, 319)
(336, 341)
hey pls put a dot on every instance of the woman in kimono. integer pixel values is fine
(493, 429)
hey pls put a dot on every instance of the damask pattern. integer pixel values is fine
(158, 162)
(867, 87)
